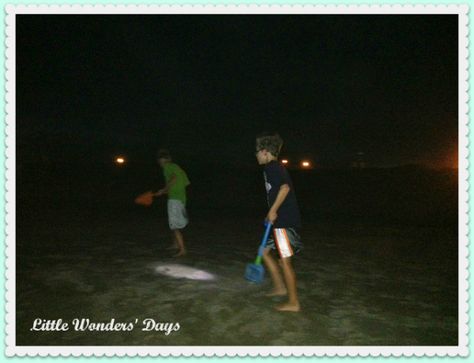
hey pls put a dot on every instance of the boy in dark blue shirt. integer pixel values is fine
(285, 217)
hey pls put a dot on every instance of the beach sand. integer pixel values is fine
(359, 284)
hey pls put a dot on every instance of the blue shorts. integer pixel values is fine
(286, 240)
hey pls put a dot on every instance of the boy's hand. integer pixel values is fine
(272, 216)
(158, 193)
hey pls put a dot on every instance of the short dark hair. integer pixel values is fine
(163, 154)
(270, 141)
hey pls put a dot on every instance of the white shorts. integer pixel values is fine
(177, 216)
(286, 240)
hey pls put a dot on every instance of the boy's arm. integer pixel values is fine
(282, 193)
(167, 186)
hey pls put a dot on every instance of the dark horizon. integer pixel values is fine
(204, 86)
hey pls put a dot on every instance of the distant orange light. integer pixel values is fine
(120, 160)
(305, 164)
(284, 161)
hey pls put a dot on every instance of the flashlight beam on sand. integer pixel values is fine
(183, 272)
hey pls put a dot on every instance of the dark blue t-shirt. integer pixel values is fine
(275, 176)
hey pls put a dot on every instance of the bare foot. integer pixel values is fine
(288, 307)
(277, 292)
(180, 254)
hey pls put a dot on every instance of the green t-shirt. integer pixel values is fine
(178, 189)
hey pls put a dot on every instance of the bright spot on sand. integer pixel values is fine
(183, 272)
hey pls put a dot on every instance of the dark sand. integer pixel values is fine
(359, 282)
(358, 286)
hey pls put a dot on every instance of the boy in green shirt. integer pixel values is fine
(176, 182)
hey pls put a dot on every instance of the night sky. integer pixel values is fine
(92, 86)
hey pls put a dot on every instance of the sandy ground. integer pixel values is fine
(359, 284)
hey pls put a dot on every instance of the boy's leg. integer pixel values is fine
(174, 245)
(290, 280)
(180, 241)
(177, 218)
(279, 288)
(171, 213)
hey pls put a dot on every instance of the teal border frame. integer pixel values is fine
(145, 2)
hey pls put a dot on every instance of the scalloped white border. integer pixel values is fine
(11, 348)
